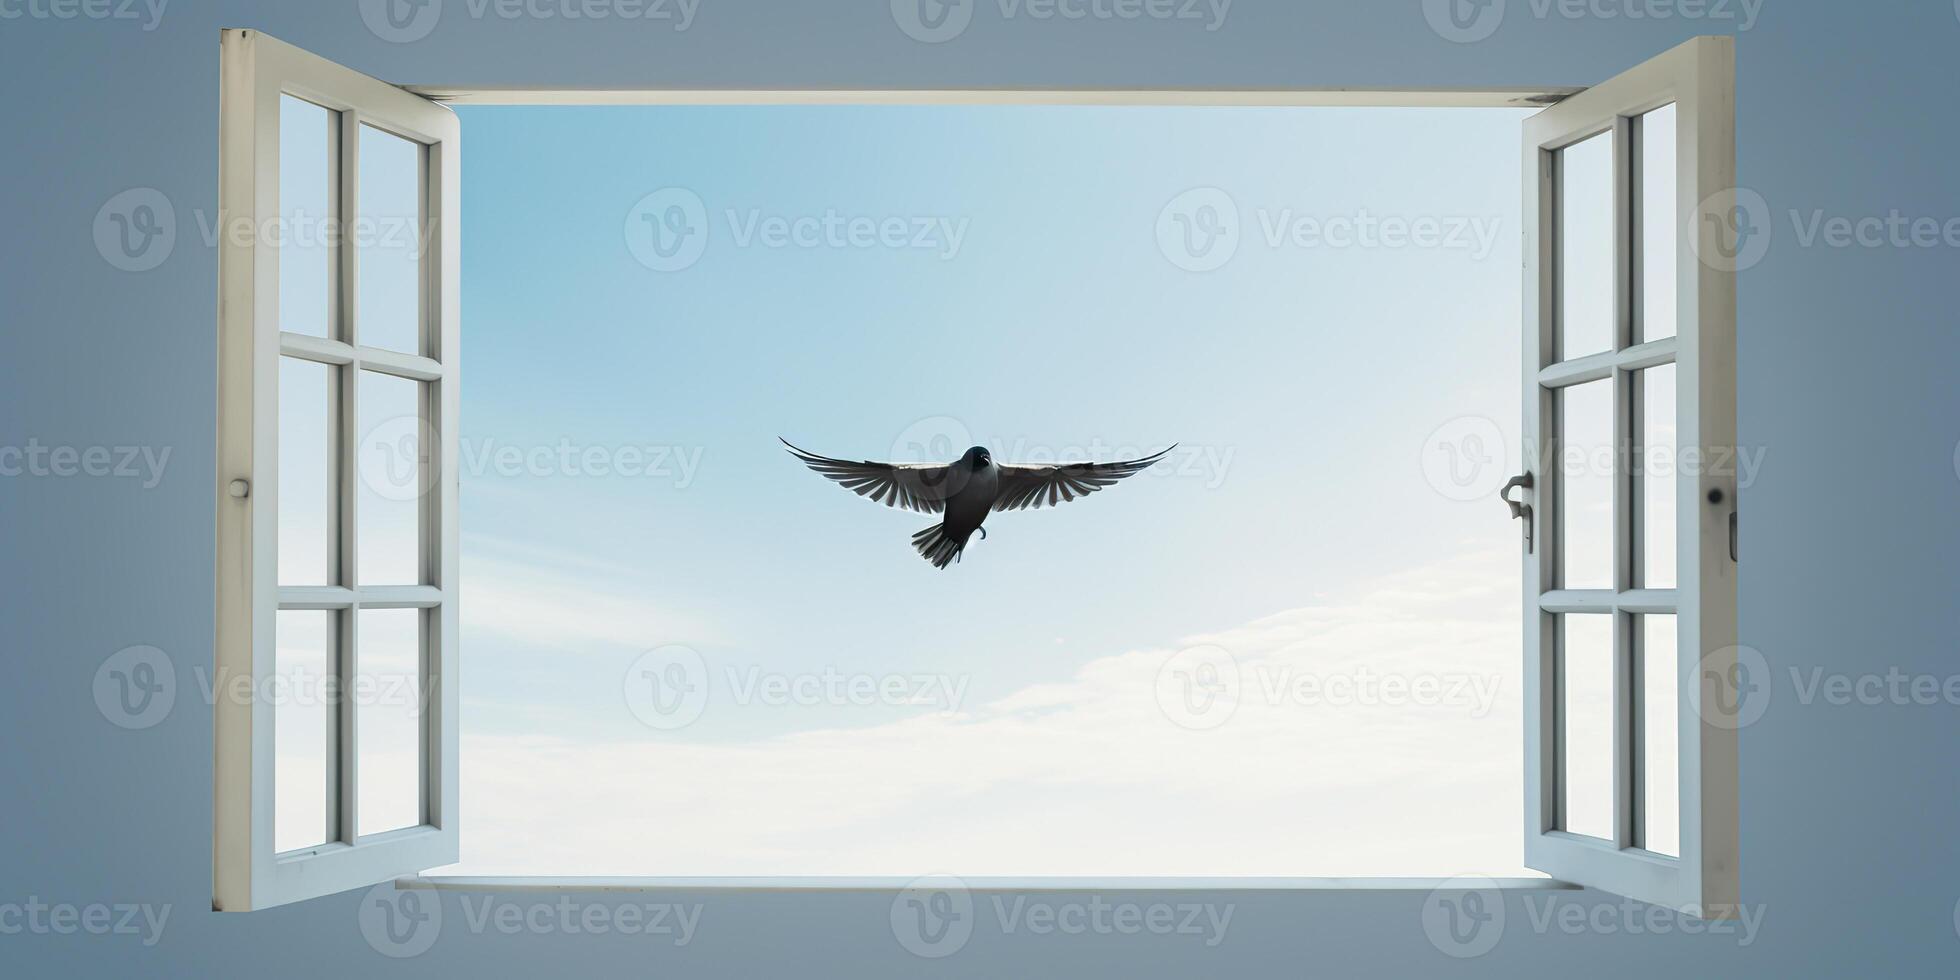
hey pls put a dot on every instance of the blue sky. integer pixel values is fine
(1039, 315)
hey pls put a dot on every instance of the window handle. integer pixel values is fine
(1518, 507)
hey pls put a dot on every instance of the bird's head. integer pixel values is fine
(977, 458)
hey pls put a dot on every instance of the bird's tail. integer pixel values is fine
(936, 546)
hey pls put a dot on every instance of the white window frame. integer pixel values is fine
(247, 873)
(1698, 78)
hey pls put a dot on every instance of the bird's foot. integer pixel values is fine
(983, 533)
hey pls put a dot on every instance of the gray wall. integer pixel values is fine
(1848, 359)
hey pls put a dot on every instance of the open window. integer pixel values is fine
(1629, 416)
(337, 548)
(336, 512)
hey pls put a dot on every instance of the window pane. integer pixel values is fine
(389, 722)
(1660, 716)
(1586, 724)
(1585, 238)
(394, 468)
(1658, 232)
(305, 215)
(306, 473)
(303, 728)
(1586, 472)
(1659, 462)
(388, 234)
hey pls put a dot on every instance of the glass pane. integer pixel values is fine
(394, 468)
(1659, 461)
(388, 235)
(389, 719)
(306, 473)
(1586, 724)
(305, 215)
(1586, 471)
(303, 728)
(1660, 715)
(1658, 232)
(1586, 246)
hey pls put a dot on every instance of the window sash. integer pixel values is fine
(1698, 79)
(247, 872)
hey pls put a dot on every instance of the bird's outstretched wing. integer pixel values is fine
(921, 487)
(1037, 486)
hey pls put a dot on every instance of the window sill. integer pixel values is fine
(846, 883)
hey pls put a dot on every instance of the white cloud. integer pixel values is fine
(1082, 775)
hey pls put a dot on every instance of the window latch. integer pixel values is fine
(1518, 507)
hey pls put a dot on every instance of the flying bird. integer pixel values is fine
(967, 490)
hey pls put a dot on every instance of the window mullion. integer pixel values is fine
(347, 770)
(430, 545)
(1637, 731)
(1633, 486)
(1624, 289)
(346, 266)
